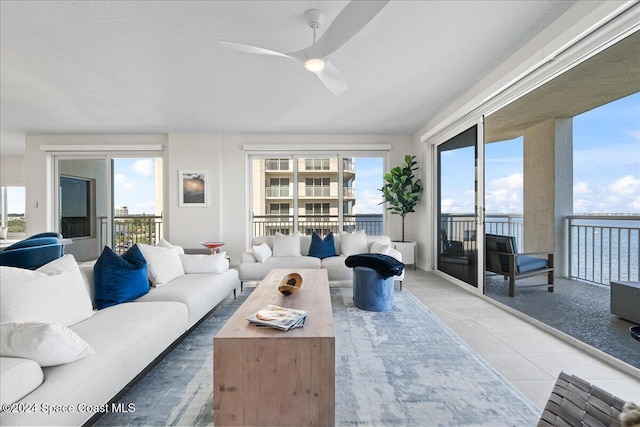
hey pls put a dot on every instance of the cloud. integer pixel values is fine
(368, 202)
(144, 167)
(119, 178)
(635, 134)
(581, 188)
(627, 185)
(129, 186)
(511, 182)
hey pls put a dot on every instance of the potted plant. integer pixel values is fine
(402, 192)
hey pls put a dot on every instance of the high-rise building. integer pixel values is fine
(312, 192)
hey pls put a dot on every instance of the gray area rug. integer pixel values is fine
(402, 367)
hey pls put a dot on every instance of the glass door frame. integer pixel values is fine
(109, 158)
(435, 142)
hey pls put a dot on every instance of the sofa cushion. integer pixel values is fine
(336, 270)
(257, 270)
(163, 264)
(199, 292)
(165, 244)
(380, 248)
(18, 377)
(526, 263)
(322, 248)
(261, 252)
(198, 264)
(45, 343)
(119, 279)
(286, 245)
(54, 293)
(354, 243)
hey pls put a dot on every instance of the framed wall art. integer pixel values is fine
(194, 188)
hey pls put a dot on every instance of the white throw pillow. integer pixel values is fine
(353, 244)
(163, 264)
(214, 263)
(164, 244)
(286, 245)
(54, 293)
(262, 252)
(47, 344)
(380, 248)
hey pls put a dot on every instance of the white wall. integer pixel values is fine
(188, 226)
(12, 171)
(222, 155)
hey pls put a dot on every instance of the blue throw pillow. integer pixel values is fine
(322, 248)
(120, 279)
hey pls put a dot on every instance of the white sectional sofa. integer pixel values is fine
(124, 339)
(253, 268)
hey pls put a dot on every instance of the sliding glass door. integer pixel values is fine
(108, 200)
(459, 202)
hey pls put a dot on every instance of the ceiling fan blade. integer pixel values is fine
(332, 79)
(347, 24)
(253, 49)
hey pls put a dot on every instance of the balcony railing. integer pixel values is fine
(278, 192)
(601, 249)
(318, 192)
(604, 248)
(265, 225)
(131, 229)
(462, 227)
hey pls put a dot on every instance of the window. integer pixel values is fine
(316, 194)
(75, 207)
(278, 187)
(277, 164)
(279, 209)
(317, 208)
(12, 211)
(318, 187)
(317, 164)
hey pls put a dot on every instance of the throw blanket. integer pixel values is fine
(385, 265)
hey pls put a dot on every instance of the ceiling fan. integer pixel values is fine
(347, 24)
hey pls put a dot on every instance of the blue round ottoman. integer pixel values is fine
(370, 291)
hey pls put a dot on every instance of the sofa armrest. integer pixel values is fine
(396, 254)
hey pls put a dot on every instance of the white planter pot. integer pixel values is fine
(408, 251)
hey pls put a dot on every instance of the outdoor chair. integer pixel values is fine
(452, 248)
(503, 258)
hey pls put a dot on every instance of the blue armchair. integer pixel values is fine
(34, 251)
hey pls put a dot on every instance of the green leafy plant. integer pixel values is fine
(402, 190)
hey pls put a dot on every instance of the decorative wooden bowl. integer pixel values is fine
(290, 284)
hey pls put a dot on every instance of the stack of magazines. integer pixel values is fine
(278, 317)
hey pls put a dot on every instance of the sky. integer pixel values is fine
(134, 185)
(606, 163)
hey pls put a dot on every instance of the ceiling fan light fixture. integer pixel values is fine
(315, 65)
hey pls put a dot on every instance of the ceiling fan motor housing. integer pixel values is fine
(314, 18)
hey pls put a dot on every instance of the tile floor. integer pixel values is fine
(524, 354)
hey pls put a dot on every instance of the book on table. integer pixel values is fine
(278, 317)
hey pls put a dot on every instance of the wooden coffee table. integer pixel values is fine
(263, 376)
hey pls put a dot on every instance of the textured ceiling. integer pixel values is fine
(148, 67)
